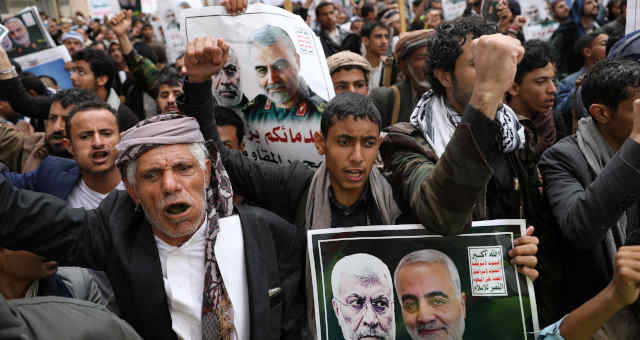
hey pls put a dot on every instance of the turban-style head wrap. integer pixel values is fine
(170, 129)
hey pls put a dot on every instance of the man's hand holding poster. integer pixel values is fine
(401, 282)
(276, 76)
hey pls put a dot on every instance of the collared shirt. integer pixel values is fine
(83, 197)
(363, 212)
(183, 276)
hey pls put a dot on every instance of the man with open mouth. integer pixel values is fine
(182, 263)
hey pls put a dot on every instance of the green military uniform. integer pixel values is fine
(262, 108)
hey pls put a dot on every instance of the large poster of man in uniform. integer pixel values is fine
(539, 24)
(402, 283)
(276, 64)
(27, 33)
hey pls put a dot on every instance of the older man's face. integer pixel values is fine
(226, 83)
(18, 32)
(364, 307)
(277, 70)
(430, 306)
(170, 185)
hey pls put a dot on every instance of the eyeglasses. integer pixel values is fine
(358, 304)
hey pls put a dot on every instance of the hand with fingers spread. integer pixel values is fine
(204, 57)
(523, 254)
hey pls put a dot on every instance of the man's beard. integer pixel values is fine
(454, 332)
(424, 84)
(58, 151)
(279, 97)
(25, 41)
(226, 101)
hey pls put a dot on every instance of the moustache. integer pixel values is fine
(431, 326)
(56, 135)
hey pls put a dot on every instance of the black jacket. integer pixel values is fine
(585, 208)
(119, 241)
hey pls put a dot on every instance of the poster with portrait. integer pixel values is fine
(452, 9)
(540, 24)
(27, 33)
(103, 8)
(48, 62)
(402, 282)
(276, 77)
(169, 12)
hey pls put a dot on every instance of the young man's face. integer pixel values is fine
(599, 47)
(82, 77)
(327, 17)
(560, 10)
(116, 53)
(93, 136)
(147, 33)
(229, 137)
(55, 128)
(622, 120)
(73, 45)
(277, 70)
(350, 149)
(459, 84)
(350, 80)
(378, 42)
(430, 305)
(536, 91)
(590, 8)
(168, 97)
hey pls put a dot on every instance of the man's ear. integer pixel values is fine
(444, 77)
(335, 307)
(130, 189)
(587, 52)
(601, 113)
(320, 143)
(66, 143)
(207, 172)
(365, 41)
(514, 89)
(101, 81)
(463, 304)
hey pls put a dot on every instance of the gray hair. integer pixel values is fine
(198, 150)
(268, 35)
(14, 19)
(430, 256)
(365, 267)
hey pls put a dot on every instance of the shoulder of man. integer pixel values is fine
(255, 103)
(405, 136)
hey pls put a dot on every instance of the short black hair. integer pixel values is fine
(145, 51)
(585, 41)
(86, 106)
(96, 43)
(302, 12)
(366, 9)
(31, 82)
(353, 67)
(445, 46)
(168, 76)
(537, 54)
(147, 25)
(348, 104)
(100, 63)
(226, 116)
(608, 82)
(74, 96)
(160, 52)
(323, 4)
(368, 28)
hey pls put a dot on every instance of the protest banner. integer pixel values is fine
(540, 24)
(103, 8)
(277, 66)
(169, 13)
(27, 33)
(395, 282)
(633, 16)
(452, 9)
(48, 62)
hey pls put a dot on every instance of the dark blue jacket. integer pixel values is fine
(55, 176)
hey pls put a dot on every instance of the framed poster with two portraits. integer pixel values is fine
(402, 282)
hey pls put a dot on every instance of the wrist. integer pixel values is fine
(486, 99)
(612, 297)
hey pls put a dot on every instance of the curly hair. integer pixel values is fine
(445, 46)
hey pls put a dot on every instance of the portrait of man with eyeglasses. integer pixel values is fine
(428, 288)
(363, 298)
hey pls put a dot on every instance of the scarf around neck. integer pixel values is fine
(598, 153)
(318, 208)
(437, 121)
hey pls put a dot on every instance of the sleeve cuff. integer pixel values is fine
(484, 131)
(551, 332)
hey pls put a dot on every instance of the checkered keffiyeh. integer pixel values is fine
(168, 129)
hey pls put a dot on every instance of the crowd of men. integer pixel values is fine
(130, 209)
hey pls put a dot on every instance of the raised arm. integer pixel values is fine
(12, 90)
(259, 182)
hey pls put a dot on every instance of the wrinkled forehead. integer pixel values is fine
(164, 155)
(364, 284)
(269, 54)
